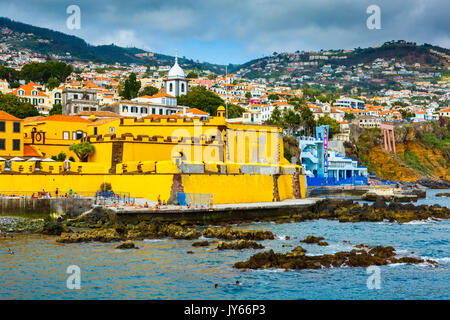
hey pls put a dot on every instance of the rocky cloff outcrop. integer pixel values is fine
(127, 245)
(54, 228)
(297, 259)
(101, 235)
(234, 234)
(157, 230)
(350, 211)
(138, 232)
(201, 243)
(239, 244)
(444, 194)
(312, 239)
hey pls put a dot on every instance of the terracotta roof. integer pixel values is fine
(108, 114)
(162, 95)
(33, 119)
(28, 88)
(60, 117)
(6, 116)
(102, 121)
(197, 111)
(30, 151)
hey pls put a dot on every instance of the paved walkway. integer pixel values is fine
(290, 203)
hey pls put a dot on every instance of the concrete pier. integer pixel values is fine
(218, 213)
(69, 206)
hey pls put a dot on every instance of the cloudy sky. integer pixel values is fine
(235, 31)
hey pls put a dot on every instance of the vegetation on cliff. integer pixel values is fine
(422, 151)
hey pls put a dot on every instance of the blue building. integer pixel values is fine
(325, 167)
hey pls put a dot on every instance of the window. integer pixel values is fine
(34, 101)
(2, 144)
(182, 87)
(171, 87)
(134, 109)
(2, 126)
(21, 92)
(16, 144)
(66, 135)
(95, 130)
(41, 100)
(143, 110)
(153, 111)
(111, 129)
(124, 109)
(16, 127)
(34, 93)
(161, 111)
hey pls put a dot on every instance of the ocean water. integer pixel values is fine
(161, 269)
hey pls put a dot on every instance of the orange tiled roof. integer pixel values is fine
(60, 117)
(162, 95)
(33, 119)
(6, 116)
(30, 151)
(28, 88)
(109, 114)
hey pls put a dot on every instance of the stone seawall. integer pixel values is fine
(72, 207)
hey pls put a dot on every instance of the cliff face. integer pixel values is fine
(423, 152)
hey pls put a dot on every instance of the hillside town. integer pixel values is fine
(294, 87)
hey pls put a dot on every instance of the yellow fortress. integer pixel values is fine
(158, 157)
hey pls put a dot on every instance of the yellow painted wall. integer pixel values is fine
(9, 136)
(146, 186)
(231, 188)
(285, 187)
(54, 136)
(225, 188)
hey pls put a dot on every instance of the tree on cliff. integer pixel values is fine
(82, 150)
(335, 127)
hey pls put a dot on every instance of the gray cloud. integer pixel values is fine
(237, 30)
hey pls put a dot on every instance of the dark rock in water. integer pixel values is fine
(233, 234)
(313, 239)
(434, 184)
(127, 245)
(190, 252)
(239, 244)
(380, 203)
(54, 228)
(296, 259)
(201, 244)
(444, 194)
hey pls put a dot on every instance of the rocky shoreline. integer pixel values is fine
(364, 256)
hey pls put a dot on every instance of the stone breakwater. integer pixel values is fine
(365, 256)
(158, 230)
(351, 211)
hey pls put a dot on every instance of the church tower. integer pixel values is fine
(176, 83)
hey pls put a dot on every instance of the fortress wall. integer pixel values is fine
(233, 188)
